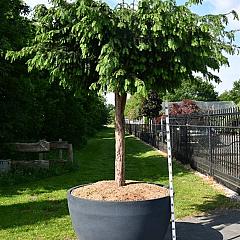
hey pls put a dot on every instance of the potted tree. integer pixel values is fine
(123, 50)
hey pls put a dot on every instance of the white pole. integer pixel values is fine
(170, 173)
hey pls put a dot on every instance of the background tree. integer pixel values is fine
(70, 116)
(198, 90)
(15, 89)
(31, 107)
(152, 105)
(121, 50)
(111, 113)
(233, 94)
(133, 106)
(225, 96)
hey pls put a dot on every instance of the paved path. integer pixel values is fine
(223, 225)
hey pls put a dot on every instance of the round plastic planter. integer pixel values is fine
(108, 220)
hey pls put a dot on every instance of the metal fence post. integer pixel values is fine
(210, 151)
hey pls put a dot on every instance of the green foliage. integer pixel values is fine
(111, 113)
(225, 96)
(14, 27)
(36, 109)
(31, 107)
(69, 116)
(134, 106)
(16, 91)
(157, 46)
(233, 94)
(15, 30)
(192, 2)
(198, 90)
(19, 118)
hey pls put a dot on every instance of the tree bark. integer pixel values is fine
(120, 102)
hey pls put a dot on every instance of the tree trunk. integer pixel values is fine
(120, 102)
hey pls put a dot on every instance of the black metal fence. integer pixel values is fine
(153, 134)
(209, 142)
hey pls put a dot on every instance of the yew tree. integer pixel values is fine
(124, 50)
(152, 105)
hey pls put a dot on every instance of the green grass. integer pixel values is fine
(38, 210)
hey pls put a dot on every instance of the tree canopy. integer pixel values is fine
(31, 107)
(233, 94)
(152, 105)
(157, 46)
(15, 29)
(198, 90)
(133, 106)
(138, 106)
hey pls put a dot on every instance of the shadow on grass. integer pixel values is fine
(151, 168)
(20, 214)
(143, 164)
(219, 202)
(96, 162)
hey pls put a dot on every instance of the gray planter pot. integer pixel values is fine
(108, 220)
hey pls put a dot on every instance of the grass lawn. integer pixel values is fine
(38, 210)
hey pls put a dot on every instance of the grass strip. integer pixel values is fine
(38, 210)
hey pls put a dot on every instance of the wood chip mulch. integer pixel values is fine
(132, 191)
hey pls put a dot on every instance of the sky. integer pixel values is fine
(227, 74)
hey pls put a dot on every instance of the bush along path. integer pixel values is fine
(38, 210)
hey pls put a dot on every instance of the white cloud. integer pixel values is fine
(229, 74)
(33, 3)
(110, 98)
(224, 5)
